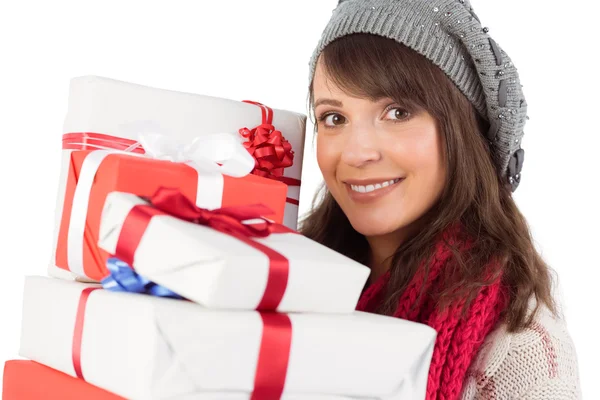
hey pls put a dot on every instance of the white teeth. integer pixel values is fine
(370, 188)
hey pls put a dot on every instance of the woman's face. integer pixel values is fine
(383, 165)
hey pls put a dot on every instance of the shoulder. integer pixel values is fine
(537, 363)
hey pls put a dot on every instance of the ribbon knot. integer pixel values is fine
(271, 151)
(123, 278)
(227, 219)
(218, 153)
(233, 221)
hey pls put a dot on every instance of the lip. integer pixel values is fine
(375, 194)
(365, 182)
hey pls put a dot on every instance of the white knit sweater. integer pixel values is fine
(539, 363)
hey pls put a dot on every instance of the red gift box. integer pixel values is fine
(28, 380)
(77, 249)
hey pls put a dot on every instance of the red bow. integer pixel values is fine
(227, 219)
(270, 149)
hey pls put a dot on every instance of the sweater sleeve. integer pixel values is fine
(554, 389)
(539, 363)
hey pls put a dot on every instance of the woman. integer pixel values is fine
(420, 116)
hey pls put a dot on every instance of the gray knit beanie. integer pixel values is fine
(449, 34)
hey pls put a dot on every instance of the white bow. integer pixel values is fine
(204, 152)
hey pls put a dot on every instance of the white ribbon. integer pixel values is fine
(79, 210)
(204, 153)
(211, 155)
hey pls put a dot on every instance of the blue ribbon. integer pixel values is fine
(123, 278)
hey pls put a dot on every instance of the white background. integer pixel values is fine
(259, 50)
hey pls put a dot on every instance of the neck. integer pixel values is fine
(382, 249)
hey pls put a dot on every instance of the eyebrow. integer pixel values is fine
(331, 102)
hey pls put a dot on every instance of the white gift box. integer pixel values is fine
(143, 347)
(220, 271)
(111, 107)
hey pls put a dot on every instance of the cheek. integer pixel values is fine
(435, 161)
(327, 157)
(421, 155)
(430, 170)
(423, 162)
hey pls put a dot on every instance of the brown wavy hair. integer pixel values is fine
(475, 195)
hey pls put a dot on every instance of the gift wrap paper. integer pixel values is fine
(77, 243)
(144, 347)
(103, 105)
(28, 380)
(218, 270)
(111, 107)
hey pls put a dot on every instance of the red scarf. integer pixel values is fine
(459, 337)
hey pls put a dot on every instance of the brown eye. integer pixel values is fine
(401, 113)
(397, 114)
(334, 120)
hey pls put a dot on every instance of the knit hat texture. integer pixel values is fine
(449, 34)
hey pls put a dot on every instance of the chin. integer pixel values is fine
(370, 227)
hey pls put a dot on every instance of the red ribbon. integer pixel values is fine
(271, 151)
(78, 331)
(227, 220)
(98, 141)
(273, 356)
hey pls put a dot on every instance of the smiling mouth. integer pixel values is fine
(374, 186)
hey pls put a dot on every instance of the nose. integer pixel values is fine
(360, 147)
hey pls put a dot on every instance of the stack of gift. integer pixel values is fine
(197, 285)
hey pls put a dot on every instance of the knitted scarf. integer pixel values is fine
(459, 335)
